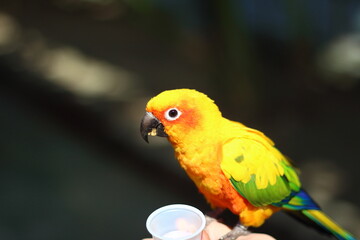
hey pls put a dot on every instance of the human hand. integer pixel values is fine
(216, 230)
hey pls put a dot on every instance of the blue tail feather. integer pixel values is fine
(301, 206)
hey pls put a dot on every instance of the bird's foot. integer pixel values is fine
(237, 231)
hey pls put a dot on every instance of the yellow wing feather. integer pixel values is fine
(252, 153)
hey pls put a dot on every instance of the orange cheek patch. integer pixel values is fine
(190, 118)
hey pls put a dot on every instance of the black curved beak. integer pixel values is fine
(150, 125)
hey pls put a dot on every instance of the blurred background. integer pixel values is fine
(76, 75)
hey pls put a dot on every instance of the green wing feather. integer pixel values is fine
(262, 175)
(273, 193)
(258, 171)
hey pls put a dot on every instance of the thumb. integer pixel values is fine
(205, 236)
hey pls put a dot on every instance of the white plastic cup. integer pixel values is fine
(176, 222)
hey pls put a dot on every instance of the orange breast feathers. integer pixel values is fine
(203, 168)
(205, 171)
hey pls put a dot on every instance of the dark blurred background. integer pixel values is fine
(76, 75)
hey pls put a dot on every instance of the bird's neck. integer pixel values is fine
(193, 151)
(196, 159)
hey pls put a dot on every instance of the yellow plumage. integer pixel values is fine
(205, 147)
(234, 166)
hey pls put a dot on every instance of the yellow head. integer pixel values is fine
(181, 114)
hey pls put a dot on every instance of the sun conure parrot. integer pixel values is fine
(233, 166)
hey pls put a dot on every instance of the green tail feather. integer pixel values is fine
(323, 223)
(301, 206)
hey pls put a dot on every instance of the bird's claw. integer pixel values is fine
(237, 231)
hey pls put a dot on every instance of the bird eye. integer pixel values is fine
(172, 114)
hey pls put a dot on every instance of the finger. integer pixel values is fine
(256, 236)
(216, 230)
(205, 236)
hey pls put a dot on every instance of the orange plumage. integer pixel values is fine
(233, 166)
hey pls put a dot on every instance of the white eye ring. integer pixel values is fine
(172, 114)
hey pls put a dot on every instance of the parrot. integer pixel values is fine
(235, 167)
